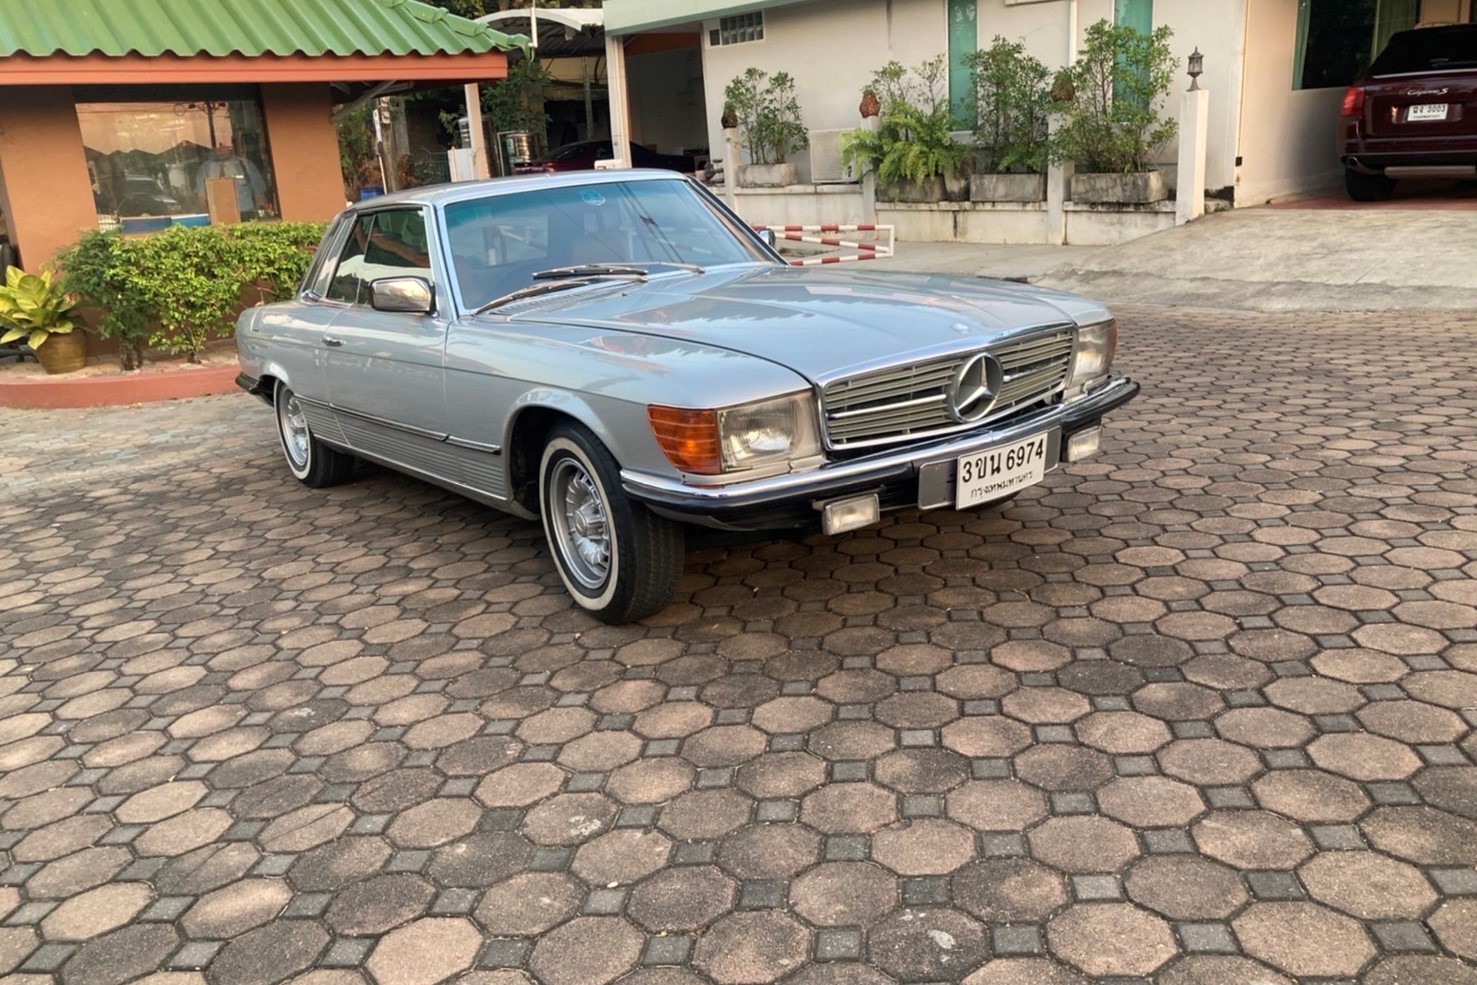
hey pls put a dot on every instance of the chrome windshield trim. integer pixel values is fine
(636, 482)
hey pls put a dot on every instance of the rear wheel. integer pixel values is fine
(620, 561)
(1368, 187)
(310, 460)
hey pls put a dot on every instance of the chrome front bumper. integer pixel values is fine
(747, 504)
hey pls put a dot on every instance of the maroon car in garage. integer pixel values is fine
(1413, 114)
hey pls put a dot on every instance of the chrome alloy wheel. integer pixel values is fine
(295, 435)
(581, 526)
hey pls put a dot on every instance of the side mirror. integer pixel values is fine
(768, 236)
(408, 295)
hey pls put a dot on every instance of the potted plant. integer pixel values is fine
(1113, 122)
(37, 310)
(1013, 103)
(913, 150)
(768, 117)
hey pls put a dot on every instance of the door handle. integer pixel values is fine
(332, 342)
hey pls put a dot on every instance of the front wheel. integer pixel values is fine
(310, 460)
(620, 561)
(1368, 187)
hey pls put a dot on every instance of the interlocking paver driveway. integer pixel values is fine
(1200, 711)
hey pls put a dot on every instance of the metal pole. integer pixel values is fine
(620, 107)
(589, 100)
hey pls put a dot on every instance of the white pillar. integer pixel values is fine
(481, 164)
(1058, 180)
(869, 177)
(620, 103)
(1194, 132)
(731, 164)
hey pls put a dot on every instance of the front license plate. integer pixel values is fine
(1426, 113)
(983, 476)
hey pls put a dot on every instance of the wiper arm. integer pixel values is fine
(591, 270)
(531, 291)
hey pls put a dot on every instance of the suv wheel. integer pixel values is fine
(1368, 187)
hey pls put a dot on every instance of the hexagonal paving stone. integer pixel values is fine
(996, 805)
(97, 911)
(1219, 969)
(843, 808)
(769, 851)
(752, 948)
(681, 899)
(1252, 840)
(1083, 844)
(1368, 885)
(425, 952)
(621, 856)
(1185, 887)
(379, 904)
(1111, 938)
(1150, 801)
(842, 894)
(1123, 732)
(1423, 835)
(1209, 762)
(234, 909)
(1311, 795)
(1455, 924)
(1304, 939)
(927, 945)
(1009, 890)
(927, 847)
(529, 903)
(1364, 757)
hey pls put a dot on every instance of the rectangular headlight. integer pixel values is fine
(1093, 356)
(737, 439)
(768, 433)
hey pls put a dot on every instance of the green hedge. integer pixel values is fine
(179, 289)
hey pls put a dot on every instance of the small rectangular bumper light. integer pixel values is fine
(1084, 444)
(853, 513)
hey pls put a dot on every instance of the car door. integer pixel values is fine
(386, 377)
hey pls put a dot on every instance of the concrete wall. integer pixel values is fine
(304, 145)
(1288, 136)
(831, 47)
(48, 193)
(666, 95)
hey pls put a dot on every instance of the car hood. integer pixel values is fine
(821, 323)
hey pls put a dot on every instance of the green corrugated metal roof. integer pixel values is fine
(245, 27)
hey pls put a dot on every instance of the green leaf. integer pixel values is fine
(11, 335)
(38, 338)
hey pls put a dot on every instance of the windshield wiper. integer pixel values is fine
(533, 291)
(591, 270)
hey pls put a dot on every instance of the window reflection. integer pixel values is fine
(156, 163)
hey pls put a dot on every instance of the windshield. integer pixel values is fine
(499, 242)
(1428, 50)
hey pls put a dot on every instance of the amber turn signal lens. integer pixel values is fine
(689, 438)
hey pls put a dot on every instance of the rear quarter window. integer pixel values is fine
(1428, 50)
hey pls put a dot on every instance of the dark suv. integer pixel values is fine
(1413, 114)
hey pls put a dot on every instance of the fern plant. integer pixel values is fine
(914, 141)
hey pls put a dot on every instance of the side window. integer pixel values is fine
(348, 274)
(397, 246)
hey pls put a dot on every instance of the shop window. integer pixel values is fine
(154, 153)
(738, 29)
(1337, 39)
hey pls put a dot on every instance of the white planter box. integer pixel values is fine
(1140, 188)
(914, 192)
(1007, 188)
(768, 175)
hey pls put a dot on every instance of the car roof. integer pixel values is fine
(463, 190)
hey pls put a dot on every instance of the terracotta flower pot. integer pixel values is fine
(63, 353)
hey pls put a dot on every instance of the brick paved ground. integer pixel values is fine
(1198, 712)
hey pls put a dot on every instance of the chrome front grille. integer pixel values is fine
(913, 401)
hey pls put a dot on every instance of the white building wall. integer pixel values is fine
(1288, 136)
(831, 48)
